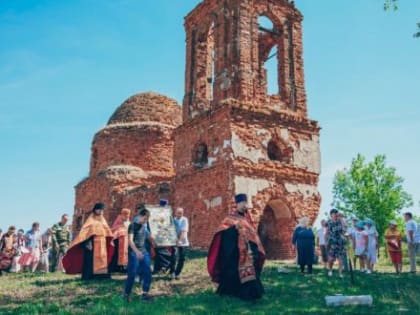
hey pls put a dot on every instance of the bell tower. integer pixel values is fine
(242, 131)
(227, 50)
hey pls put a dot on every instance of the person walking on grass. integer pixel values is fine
(360, 242)
(373, 245)
(413, 239)
(336, 242)
(139, 261)
(60, 243)
(92, 249)
(34, 244)
(304, 240)
(393, 244)
(181, 225)
(321, 243)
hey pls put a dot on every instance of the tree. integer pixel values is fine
(370, 190)
(393, 5)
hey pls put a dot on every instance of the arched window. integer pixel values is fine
(201, 156)
(269, 55)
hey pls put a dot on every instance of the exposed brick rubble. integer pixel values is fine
(234, 138)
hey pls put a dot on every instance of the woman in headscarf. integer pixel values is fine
(120, 231)
(372, 247)
(7, 249)
(91, 251)
(304, 240)
(393, 244)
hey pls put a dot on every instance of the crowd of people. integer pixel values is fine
(235, 258)
(34, 251)
(353, 242)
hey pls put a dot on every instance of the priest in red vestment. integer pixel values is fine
(236, 255)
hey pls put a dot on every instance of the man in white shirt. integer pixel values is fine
(321, 243)
(181, 224)
(413, 239)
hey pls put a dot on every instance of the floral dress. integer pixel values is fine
(336, 241)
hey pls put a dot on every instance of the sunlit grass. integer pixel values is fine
(289, 293)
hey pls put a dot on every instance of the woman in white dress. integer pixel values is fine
(372, 248)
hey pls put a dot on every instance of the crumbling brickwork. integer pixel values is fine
(260, 144)
(132, 157)
(234, 136)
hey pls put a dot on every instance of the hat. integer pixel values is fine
(354, 218)
(360, 225)
(163, 202)
(369, 221)
(393, 222)
(125, 211)
(240, 198)
(98, 206)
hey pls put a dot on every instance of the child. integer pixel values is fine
(360, 241)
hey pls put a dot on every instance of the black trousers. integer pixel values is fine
(177, 263)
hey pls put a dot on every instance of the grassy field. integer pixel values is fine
(289, 293)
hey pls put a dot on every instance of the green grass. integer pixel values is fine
(194, 294)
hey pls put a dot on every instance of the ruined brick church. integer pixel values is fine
(230, 135)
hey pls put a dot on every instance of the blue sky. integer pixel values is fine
(66, 65)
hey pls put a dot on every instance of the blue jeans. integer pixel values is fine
(138, 267)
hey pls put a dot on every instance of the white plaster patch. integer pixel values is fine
(240, 149)
(213, 203)
(211, 160)
(307, 191)
(308, 155)
(284, 134)
(250, 186)
(227, 144)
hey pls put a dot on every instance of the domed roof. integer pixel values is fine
(148, 107)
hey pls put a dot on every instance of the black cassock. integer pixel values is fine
(229, 283)
(87, 272)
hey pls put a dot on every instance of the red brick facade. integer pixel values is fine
(234, 136)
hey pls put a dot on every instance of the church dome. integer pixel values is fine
(147, 107)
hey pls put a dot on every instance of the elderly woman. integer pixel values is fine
(393, 244)
(304, 240)
(336, 242)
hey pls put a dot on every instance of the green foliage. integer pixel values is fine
(393, 5)
(370, 190)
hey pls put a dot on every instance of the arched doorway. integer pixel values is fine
(275, 230)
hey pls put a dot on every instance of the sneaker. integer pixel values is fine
(341, 275)
(368, 271)
(330, 273)
(173, 276)
(177, 277)
(146, 297)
